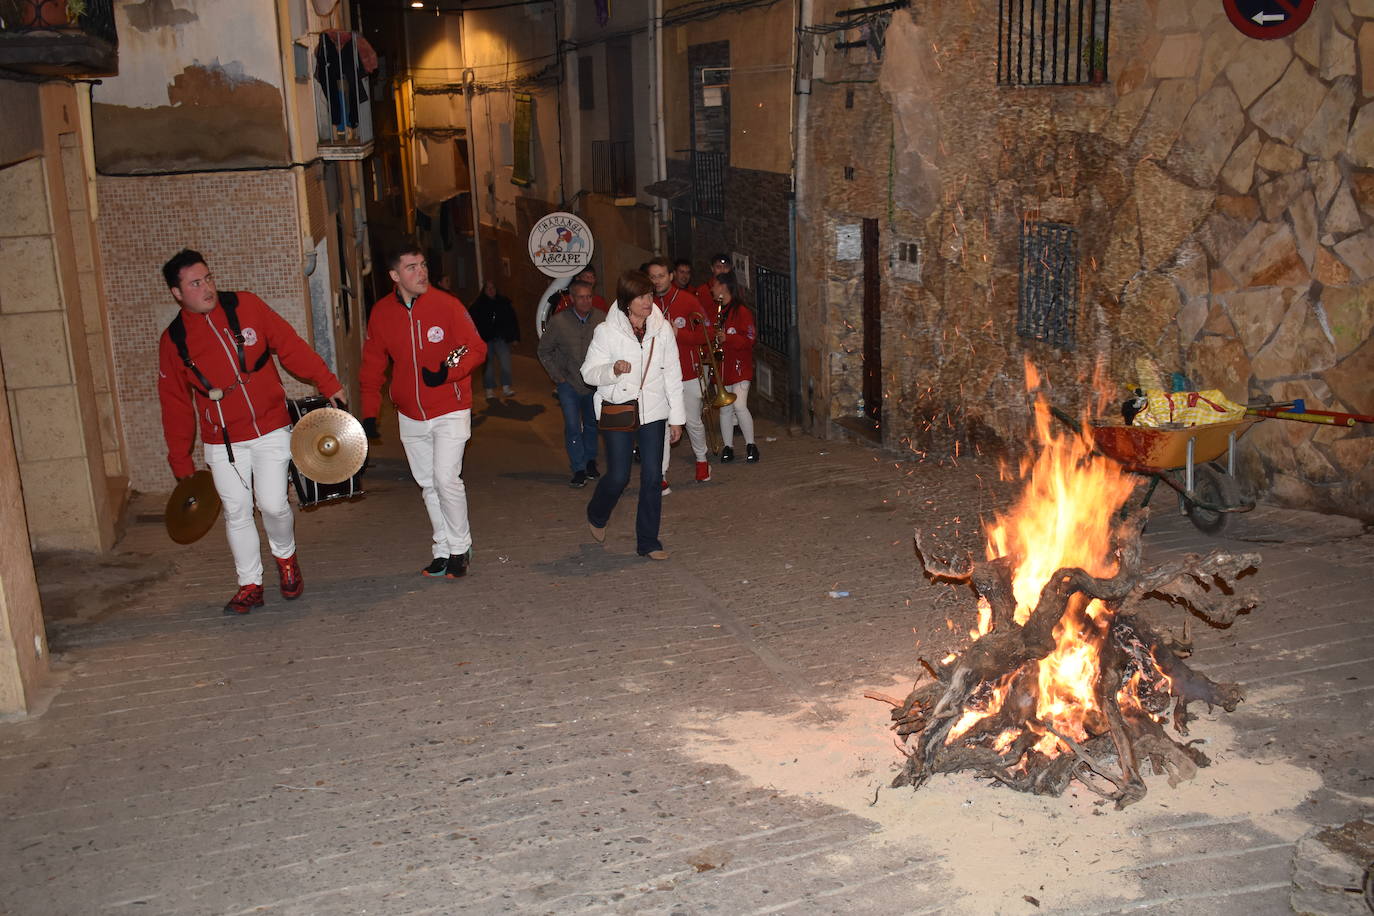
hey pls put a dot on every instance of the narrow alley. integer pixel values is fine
(572, 728)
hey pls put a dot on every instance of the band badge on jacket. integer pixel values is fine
(250, 337)
(435, 334)
(679, 322)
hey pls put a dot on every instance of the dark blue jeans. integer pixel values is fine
(617, 475)
(579, 425)
(498, 352)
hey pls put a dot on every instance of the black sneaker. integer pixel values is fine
(751, 453)
(436, 567)
(458, 566)
(727, 454)
(579, 479)
(592, 472)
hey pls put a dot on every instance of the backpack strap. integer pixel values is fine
(229, 301)
(177, 331)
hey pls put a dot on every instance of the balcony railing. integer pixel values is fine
(613, 167)
(343, 93)
(37, 37)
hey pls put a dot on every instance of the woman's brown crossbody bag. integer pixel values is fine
(624, 418)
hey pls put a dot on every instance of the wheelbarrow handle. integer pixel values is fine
(1311, 416)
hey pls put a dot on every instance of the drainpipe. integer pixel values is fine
(469, 83)
(801, 95)
(660, 134)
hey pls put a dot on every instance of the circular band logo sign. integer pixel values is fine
(561, 245)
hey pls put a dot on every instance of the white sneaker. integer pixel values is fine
(508, 391)
(491, 392)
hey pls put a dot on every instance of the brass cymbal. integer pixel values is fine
(328, 445)
(192, 508)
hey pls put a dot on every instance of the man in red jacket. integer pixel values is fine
(215, 364)
(692, 323)
(417, 328)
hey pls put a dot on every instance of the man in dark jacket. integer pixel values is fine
(562, 350)
(496, 323)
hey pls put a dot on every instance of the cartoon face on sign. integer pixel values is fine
(435, 334)
(560, 245)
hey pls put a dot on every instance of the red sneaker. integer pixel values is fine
(703, 471)
(291, 582)
(244, 600)
(666, 489)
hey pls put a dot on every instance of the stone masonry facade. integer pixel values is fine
(245, 223)
(1222, 193)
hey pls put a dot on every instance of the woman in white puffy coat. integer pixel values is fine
(633, 355)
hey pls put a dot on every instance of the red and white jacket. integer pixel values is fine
(253, 405)
(737, 343)
(678, 305)
(416, 339)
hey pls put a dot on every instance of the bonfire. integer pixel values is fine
(1068, 676)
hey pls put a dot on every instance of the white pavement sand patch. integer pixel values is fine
(997, 845)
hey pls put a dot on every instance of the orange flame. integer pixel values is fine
(1062, 519)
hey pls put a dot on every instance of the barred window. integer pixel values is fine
(1052, 42)
(1048, 303)
(773, 298)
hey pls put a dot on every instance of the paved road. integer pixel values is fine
(573, 728)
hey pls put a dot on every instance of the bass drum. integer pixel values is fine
(311, 494)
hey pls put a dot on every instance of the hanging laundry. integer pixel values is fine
(341, 60)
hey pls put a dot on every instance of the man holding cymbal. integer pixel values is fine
(215, 365)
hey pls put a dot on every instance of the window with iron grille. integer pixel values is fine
(613, 167)
(1048, 306)
(1052, 42)
(708, 184)
(773, 307)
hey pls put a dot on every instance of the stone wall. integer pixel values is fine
(1222, 189)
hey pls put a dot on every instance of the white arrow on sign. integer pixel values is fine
(1265, 18)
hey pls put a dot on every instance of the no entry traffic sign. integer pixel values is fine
(1268, 18)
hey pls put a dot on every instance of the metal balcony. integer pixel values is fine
(343, 94)
(36, 37)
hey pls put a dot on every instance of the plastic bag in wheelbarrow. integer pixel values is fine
(1187, 408)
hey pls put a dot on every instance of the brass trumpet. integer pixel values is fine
(713, 393)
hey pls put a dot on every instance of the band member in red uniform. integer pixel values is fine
(416, 328)
(563, 298)
(692, 322)
(720, 264)
(682, 274)
(215, 365)
(737, 336)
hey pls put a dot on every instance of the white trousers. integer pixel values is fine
(696, 429)
(434, 449)
(737, 412)
(258, 471)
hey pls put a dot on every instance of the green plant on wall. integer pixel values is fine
(1095, 54)
(75, 9)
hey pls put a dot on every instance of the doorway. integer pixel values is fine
(872, 326)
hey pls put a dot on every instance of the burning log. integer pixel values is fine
(985, 710)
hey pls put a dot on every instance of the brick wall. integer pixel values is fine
(245, 224)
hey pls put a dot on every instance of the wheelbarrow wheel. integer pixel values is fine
(1213, 488)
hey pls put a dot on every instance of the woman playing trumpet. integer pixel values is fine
(736, 335)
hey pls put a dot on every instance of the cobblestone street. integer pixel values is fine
(574, 728)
